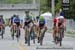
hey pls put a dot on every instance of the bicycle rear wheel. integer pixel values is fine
(60, 37)
(13, 34)
(28, 38)
(17, 34)
(41, 38)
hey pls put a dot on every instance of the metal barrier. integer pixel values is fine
(70, 24)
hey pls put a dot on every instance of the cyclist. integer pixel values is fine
(2, 21)
(55, 29)
(28, 23)
(11, 19)
(2, 24)
(33, 30)
(17, 22)
(41, 25)
(61, 23)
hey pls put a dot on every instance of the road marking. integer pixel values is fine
(22, 47)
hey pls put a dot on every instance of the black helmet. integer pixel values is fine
(14, 15)
(1, 15)
(26, 11)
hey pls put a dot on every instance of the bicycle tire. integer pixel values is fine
(41, 38)
(60, 37)
(13, 34)
(17, 34)
(28, 37)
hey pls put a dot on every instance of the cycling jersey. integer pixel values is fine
(17, 21)
(42, 21)
(54, 20)
(28, 20)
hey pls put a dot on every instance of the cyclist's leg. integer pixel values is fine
(31, 29)
(45, 29)
(33, 32)
(63, 33)
(54, 35)
(25, 34)
(39, 34)
(11, 25)
(36, 31)
(11, 28)
(18, 25)
(19, 31)
(16, 29)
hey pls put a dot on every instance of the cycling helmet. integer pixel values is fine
(41, 18)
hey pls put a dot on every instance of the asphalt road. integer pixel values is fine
(8, 44)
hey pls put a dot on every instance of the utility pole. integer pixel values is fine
(39, 8)
(34, 1)
(53, 7)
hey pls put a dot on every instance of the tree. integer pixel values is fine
(70, 14)
(46, 5)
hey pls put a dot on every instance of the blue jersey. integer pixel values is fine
(16, 20)
(42, 21)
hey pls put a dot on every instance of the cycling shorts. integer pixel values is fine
(27, 23)
(41, 24)
(17, 23)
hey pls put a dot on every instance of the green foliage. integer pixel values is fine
(46, 5)
(70, 14)
(15, 1)
(57, 6)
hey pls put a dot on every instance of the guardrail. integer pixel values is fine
(19, 6)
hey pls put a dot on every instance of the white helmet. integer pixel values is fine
(60, 17)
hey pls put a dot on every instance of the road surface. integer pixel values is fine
(8, 44)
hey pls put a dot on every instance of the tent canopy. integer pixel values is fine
(47, 15)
